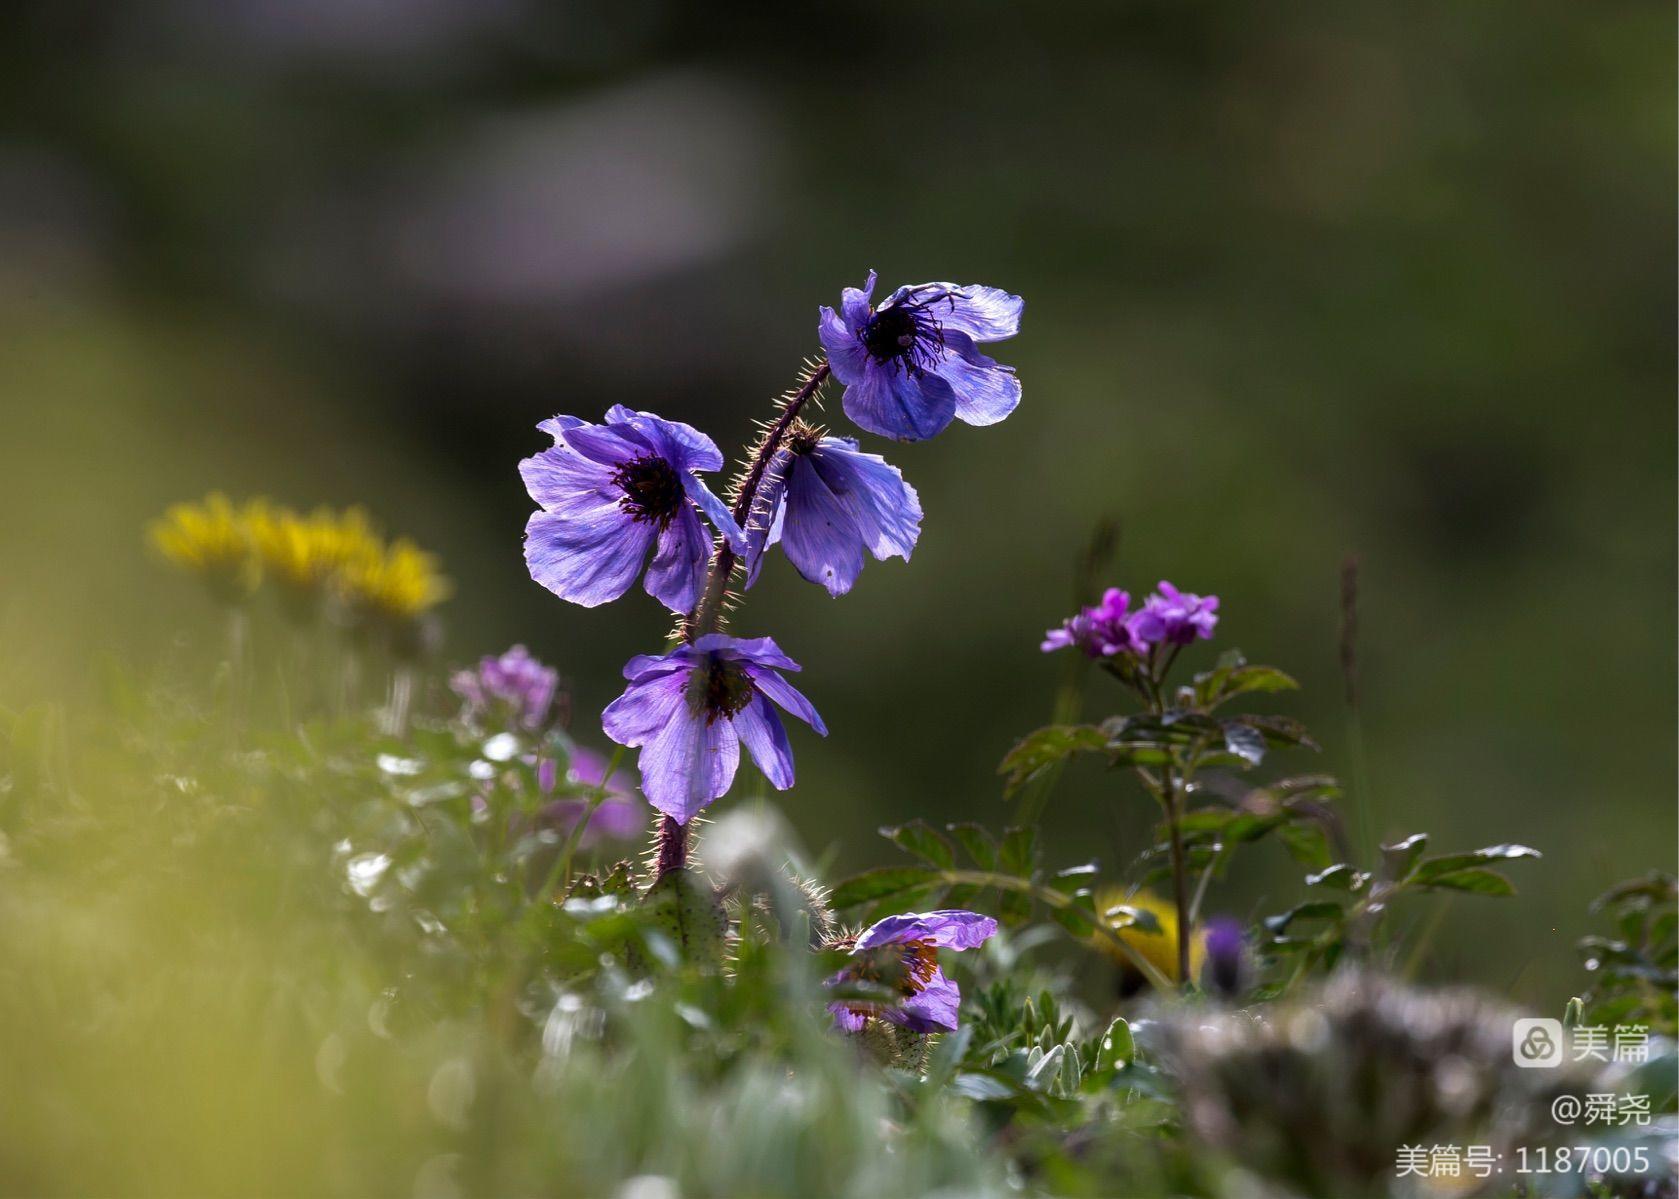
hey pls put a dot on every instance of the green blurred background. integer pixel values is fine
(1301, 282)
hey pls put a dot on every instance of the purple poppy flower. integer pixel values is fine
(612, 492)
(515, 681)
(826, 502)
(619, 816)
(689, 710)
(913, 363)
(903, 951)
(1101, 630)
(1175, 617)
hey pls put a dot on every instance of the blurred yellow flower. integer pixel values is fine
(303, 554)
(1158, 948)
(398, 582)
(210, 540)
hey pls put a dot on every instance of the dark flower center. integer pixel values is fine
(719, 688)
(905, 332)
(652, 490)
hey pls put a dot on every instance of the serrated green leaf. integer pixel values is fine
(980, 845)
(1043, 748)
(877, 884)
(925, 842)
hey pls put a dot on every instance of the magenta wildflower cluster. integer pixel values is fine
(1111, 627)
(626, 499)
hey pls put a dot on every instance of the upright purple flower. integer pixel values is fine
(516, 682)
(913, 363)
(826, 502)
(689, 710)
(1175, 617)
(902, 951)
(612, 492)
(1101, 630)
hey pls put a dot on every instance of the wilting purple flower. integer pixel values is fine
(1224, 968)
(517, 681)
(826, 502)
(902, 951)
(1175, 617)
(689, 710)
(617, 818)
(1101, 630)
(913, 363)
(612, 492)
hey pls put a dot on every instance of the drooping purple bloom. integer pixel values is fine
(826, 502)
(912, 364)
(1174, 617)
(613, 491)
(1224, 969)
(689, 710)
(1100, 631)
(902, 951)
(619, 816)
(516, 682)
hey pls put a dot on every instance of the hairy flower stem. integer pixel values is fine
(672, 838)
(709, 613)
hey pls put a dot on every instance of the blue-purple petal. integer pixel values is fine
(984, 313)
(885, 509)
(890, 402)
(676, 575)
(788, 697)
(588, 555)
(950, 928)
(986, 391)
(716, 511)
(765, 738)
(818, 533)
(841, 344)
(934, 1008)
(688, 764)
(645, 708)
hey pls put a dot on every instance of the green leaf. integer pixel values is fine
(1020, 851)
(1124, 915)
(1246, 743)
(1280, 732)
(925, 842)
(1226, 682)
(1118, 1047)
(1340, 876)
(879, 883)
(1400, 855)
(1074, 878)
(1307, 843)
(979, 843)
(1479, 882)
(1039, 750)
(947, 1055)
(1317, 909)
(1429, 869)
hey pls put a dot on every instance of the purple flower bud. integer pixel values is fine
(1225, 968)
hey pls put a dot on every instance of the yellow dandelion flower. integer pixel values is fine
(1158, 948)
(210, 540)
